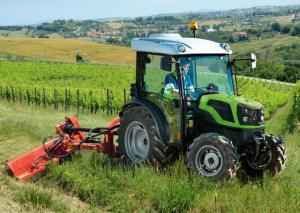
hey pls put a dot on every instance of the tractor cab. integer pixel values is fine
(174, 73)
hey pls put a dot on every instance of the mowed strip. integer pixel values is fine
(66, 50)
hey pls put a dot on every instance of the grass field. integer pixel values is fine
(55, 36)
(66, 50)
(211, 23)
(84, 185)
(56, 49)
(14, 34)
(32, 128)
(115, 25)
(258, 45)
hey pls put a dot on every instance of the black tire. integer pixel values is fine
(138, 139)
(213, 156)
(276, 162)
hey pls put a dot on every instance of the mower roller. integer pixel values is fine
(70, 139)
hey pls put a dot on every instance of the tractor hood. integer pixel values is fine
(231, 110)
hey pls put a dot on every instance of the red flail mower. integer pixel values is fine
(70, 138)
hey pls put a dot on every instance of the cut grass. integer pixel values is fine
(21, 129)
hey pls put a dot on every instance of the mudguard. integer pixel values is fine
(158, 116)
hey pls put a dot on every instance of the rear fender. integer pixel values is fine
(158, 116)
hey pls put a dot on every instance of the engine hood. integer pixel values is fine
(228, 110)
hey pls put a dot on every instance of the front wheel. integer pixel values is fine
(212, 155)
(138, 138)
(272, 162)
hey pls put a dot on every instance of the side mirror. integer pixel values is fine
(253, 60)
(166, 63)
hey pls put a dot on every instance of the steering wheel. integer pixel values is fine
(212, 87)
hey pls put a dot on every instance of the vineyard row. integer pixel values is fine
(79, 100)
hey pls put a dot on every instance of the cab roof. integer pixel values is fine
(174, 44)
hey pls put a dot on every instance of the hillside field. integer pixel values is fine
(65, 50)
(259, 45)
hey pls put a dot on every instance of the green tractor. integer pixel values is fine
(218, 130)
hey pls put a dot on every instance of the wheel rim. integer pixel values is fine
(209, 161)
(136, 142)
(262, 162)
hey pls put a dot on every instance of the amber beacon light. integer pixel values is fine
(194, 27)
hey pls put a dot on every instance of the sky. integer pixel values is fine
(28, 12)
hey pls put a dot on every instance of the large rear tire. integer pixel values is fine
(213, 156)
(138, 138)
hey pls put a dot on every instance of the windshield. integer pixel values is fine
(208, 73)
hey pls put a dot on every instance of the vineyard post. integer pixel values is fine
(7, 93)
(78, 100)
(1, 93)
(20, 95)
(107, 99)
(69, 99)
(66, 99)
(55, 100)
(13, 94)
(28, 97)
(35, 97)
(124, 96)
(44, 97)
(91, 101)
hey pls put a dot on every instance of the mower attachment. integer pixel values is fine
(70, 139)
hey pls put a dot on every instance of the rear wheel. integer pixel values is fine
(138, 138)
(212, 155)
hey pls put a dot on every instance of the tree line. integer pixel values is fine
(282, 64)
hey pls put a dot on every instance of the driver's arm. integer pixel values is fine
(189, 86)
(174, 92)
(170, 88)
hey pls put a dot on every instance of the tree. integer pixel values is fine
(243, 38)
(79, 57)
(296, 30)
(276, 27)
(286, 29)
(149, 18)
(139, 19)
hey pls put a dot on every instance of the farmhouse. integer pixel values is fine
(237, 35)
(283, 18)
(211, 30)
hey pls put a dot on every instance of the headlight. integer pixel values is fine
(181, 48)
(245, 119)
(226, 47)
(249, 115)
(246, 111)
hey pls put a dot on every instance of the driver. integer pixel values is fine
(171, 82)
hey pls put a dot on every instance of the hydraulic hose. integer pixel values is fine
(57, 142)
